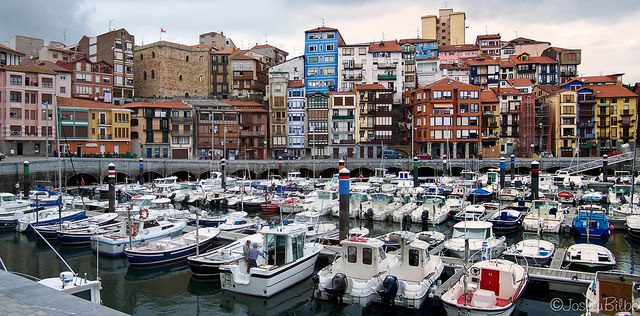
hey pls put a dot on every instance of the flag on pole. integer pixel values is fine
(163, 30)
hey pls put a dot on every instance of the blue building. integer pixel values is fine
(296, 119)
(321, 59)
(427, 49)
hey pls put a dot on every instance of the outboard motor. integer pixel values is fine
(223, 204)
(368, 215)
(185, 200)
(406, 220)
(338, 287)
(425, 220)
(172, 196)
(389, 290)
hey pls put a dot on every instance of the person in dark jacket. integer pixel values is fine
(253, 256)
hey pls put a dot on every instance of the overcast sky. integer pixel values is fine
(606, 31)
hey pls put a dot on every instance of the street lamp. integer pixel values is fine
(46, 117)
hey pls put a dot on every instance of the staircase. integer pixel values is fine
(594, 164)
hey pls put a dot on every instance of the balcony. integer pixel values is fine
(586, 145)
(182, 133)
(343, 117)
(387, 77)
(105, 136)
(626, 113)
(344, 141)
(350, 78)
(586, 124)
(587, 113)
(244, 133)
(586, 98)
(352, 65)
(15, 133)
(104, 122)
(387, 65)
(603, 112)
(182, 120)
(568, 73)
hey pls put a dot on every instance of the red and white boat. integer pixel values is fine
(491, 287)
(566, 197)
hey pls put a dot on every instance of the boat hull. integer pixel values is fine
(138, 258)
(27, 226)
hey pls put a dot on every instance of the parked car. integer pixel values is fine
(424, 156)
(391, 154)
(2, 156)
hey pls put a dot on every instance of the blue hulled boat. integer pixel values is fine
(591, 219)
(47, 217)
(167, 250)
(480, 195)
(506, 219)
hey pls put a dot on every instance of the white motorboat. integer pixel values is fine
(208, 264)
(50, 231)
(238, 221)
(482, 242)
(545, 216)
(379, 207)
(455, 204)
(393, 240)
(508, 194)
(315, 227)
(292, 205)
(492, 287)
(324, 203)
(404, 179)
(590, 256)
(600, 301)
(135, 233)
(433, 238)
(169, 249)
(620, 194)
(289, 260)
(536, 251)
(406, 210)
(356, 202)
(9, 204)
(471, 213)
(46, 217)
(411, 275)
(354, 277)
(633, 226)
(380, 176)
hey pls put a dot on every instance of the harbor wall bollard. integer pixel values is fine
(223, 181)
(25, 180)
(605, 167)
(503, 167)
(513, 167)
(141, 165)
(535, 179)
(416, 165)
(111, 178)
(344, 180)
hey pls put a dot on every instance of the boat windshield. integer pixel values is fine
(468, 175)
(437, 201)
(472, 233)
(381, 198)
(544, 206)
(623, 189)
(325, 195)
(8, 198)
(140, 202)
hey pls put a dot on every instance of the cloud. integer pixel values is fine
(602, 29)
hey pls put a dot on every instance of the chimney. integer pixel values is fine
(221, 33)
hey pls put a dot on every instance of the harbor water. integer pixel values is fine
(173, 290)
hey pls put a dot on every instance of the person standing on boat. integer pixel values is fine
(253, 256)
(245, 249)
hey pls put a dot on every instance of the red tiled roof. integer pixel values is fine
(548, 88)
(321, 29)
(47, 64)
(484, 60)
(171, 104)
(200, 46)
(520, 82)
(341, 93)
(263, 46)
(636, 88)
(612, 78)
(8, 49)
(488, 36)
(532, 60)
(488, 96)
(506, 63)
(448, 82)
(415, 40)
(506, 91)
(29, 69)
(611, 91)
(296, 84)
(455, 48)
(369, 86)
(242, 103)
(81, 103)
(225, 51)
(384, 46)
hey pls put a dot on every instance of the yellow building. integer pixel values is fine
(615, 117)
(489, 105)
(448, 28)
(89, 127)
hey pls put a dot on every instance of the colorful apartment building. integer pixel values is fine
(490, 107)
(321, 64)
(296, 115)
(375, 119)
(447, 118)
(89, 80)
(568, 61)
(541, 70)
(63, 76)
(90, 127)
(278, 119)
(253, 120)
(448, 27)
(28, 104)
(490, 44)
(250, 77)
(456, 54)
(343, 124)
(9, 57)
(216, 126)
(419, 51)
(484, 71)
(317, 124)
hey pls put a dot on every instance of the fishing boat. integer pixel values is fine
(292, 205)
(134, 233)
(508, 194)
(481, 238)
(590, 256)
(379, 207)
(400, 214)
(354, 277)
(506, 220)
(208, 264)
(326, 201)
(545, 215)
(613, 286)
(51, 231)
(50, 216)
(433, 238)
(536, 251)
(237, 221)
(620, 194)
(492, 287)
(432, 209)
(470, 213)
(77, 237)
(393, 240)
(411, 276)
(9, 204)
(170, 249)
(289, 260)
(592, 221)
(566, 197)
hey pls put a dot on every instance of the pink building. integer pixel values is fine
(27, 108)
(453, 54)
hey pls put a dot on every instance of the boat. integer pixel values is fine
(315, 227)
(379, 207)
(633, 226)
(134, 233)
(545, 216)
(480, 195)
(400, 214)
(291, 205)
(207, 220)
(566, 197)
(492, 287)
(410, 276)
(455, 204)
(51, 231)
(432, 209)
(326, 201)
(592, 197)
(393, 240)
(506, 220)
(170, 249)
(9, 204)
(289, 260)
(508, 194)
(333, 238)
(51, 216)
(609, 287)
(590, 256)
(537, 252)
(591, 221)
(82, 236)
(620, 194)
(380, 176)
(208, 264)
(470, 213)
(357, 200)
(354, 277)
(433, 238)
(482, 241)
(237, 221)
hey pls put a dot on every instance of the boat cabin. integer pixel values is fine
(363, 257)
(545, 207)
(492, 177)
(415, 257)
(380, 172)
(142, 200)
(283, 244)
(161, 204)
(468, 175)
(327, 195)
(474, 230)
(382, 198)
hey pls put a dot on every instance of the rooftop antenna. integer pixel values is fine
(322, 19)
(110, 21)
(266, 39)
(445, 4)
(516, 33)
(486, 32)
(383, 36)
(142, 36)
(64, 36)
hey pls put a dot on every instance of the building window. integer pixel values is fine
(144, 75)
(329, 47)
(15, 96)
(187, 58)
(201, 78)
(153, 54)
(15, 80)
(180, 77)
(313, 48)
(153, 74)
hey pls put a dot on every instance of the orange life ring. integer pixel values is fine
(144, 213)
(358, 239)
(132, 230)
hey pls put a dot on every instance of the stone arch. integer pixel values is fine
(187, 58)
(153, 54)
(265, 174)
(141, 56)
(150, 176)
(553, 169)
(153, 74)
(426, 172)
(186, 95)
(328, 173)
(184, 175)
(485, 169)
(365, 172)
(205, 175)
(306, 173)
(121, 177)
(76, 179)
(244, 174)
(522, 170)
(201, 59)
(456, 171)
(394, 170)
(180, 77)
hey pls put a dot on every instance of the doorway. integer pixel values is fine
(79, 150)
(19, 149)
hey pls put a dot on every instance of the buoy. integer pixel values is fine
(611, 227)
